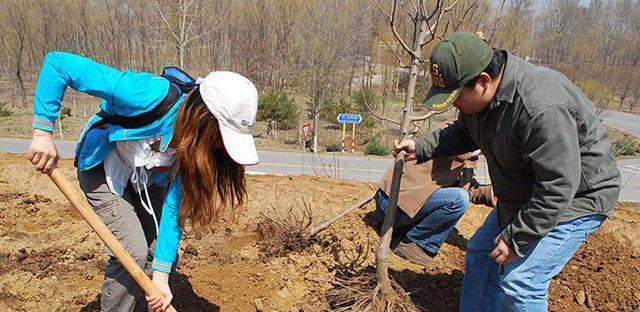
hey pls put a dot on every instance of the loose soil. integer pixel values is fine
(50, 260)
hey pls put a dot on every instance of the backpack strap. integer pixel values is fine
(137, 121)
(146, 118)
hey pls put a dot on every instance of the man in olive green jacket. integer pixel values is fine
(549, 159)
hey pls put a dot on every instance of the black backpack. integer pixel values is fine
(180, 83)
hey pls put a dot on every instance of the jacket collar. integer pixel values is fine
(507, 89)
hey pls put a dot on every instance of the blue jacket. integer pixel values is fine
(125, 93)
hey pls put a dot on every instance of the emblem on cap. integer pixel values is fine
(436, 77)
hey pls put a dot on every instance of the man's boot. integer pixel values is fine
(413, 253)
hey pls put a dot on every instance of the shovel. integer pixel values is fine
(103, 232)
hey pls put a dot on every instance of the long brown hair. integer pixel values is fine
(211, 181)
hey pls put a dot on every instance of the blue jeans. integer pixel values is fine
(521, 285)
(435, 220)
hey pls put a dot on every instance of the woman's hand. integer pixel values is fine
(42, 152)
(160, 303)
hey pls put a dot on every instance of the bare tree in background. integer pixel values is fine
(323, 41)
(14, 43)
(181, 19)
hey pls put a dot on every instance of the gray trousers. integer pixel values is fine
(133, 227)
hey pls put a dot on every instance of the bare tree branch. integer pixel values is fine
(413, 4)
(364, 99)
(447, 9)
(428, 115)
(157, 5)
(390, 49)
(395, 31)
(405, 10)
(382, 10)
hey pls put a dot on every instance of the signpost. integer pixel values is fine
(304, 133)
(353, 119)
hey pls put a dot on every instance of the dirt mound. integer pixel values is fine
(51, 261)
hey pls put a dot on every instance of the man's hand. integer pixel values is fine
(409, 146)
(503, 253)
(160, 303)
(42, 152)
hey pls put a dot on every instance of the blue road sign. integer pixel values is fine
(349, 118)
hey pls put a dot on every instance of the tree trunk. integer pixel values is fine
(382, 255)
(351, 75)
(315, 133)
(631, 106)
(624, 95)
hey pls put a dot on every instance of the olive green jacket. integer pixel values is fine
(549, 157)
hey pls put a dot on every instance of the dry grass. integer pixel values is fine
(284, 231)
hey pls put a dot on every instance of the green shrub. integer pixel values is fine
(334, 147)
(353, 105)
(4, 110)
(374, 147)
(369, 97)
(65, 112)
(626, 146)
(290, 141)
(277, 106)
(333, 107)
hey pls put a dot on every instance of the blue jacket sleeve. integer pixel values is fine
(60, 70)
(169, 235)
(124, 92)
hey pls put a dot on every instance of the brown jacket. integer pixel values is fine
(420, 181)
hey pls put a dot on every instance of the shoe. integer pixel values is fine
(413, 253)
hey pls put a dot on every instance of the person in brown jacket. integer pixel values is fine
(433, 197)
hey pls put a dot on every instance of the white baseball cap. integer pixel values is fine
(233, 100)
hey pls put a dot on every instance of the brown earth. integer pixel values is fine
(51, 261)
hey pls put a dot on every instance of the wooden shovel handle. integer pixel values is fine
(103, 232)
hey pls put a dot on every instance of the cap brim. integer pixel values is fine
(239, 146)
(439, 99)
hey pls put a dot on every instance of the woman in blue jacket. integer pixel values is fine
(154, 158)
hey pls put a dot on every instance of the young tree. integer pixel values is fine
(387, 295)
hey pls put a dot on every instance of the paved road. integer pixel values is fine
(343, 166)
(623, 121)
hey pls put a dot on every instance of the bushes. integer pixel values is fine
(277, 106)
(371, 99)
(4, 110)
(374, 147)
(352, 105)
(65, 112)
(334, 107)
(334, 147)
(626, 146)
